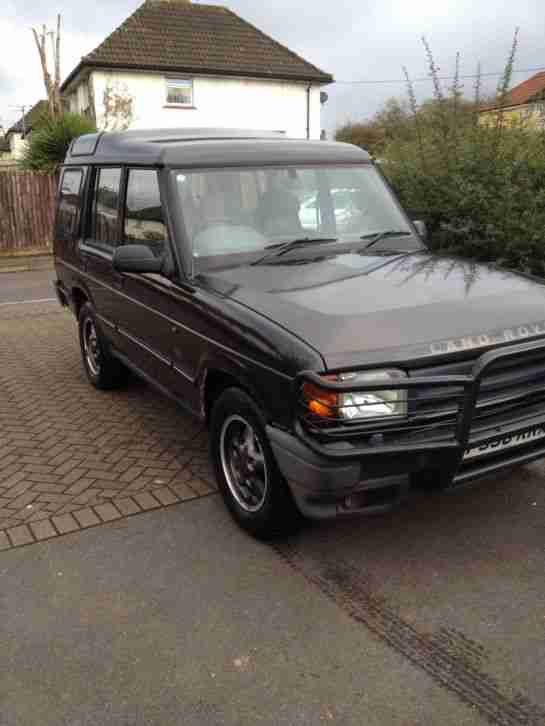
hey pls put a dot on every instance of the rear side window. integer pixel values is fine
(68, 214)
(144, 219)
(105, 211)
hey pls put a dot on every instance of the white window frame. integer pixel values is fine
(181, 83)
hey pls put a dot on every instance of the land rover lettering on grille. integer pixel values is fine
(484, 340)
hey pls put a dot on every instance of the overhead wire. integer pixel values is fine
(421, 79)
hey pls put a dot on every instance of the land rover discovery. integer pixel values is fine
(276, 289)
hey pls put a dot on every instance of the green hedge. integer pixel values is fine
(479, 185)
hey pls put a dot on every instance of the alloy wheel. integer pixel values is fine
(243, 463)
(91, 346)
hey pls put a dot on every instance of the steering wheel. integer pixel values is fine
(218, 222)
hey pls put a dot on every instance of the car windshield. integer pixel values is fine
(234, 216)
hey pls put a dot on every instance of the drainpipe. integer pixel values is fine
(308, 111)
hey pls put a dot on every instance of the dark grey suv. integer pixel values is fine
(276, 289)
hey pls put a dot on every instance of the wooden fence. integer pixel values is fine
(27, 208)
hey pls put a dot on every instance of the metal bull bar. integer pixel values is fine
(460, 438)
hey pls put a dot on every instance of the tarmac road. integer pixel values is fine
(26, 286)
(176, 617)
(454, 582)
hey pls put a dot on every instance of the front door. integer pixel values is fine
(142, 315)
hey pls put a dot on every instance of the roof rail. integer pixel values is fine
(88, 144)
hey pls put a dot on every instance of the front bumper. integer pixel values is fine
(343, 477)
(324, 487)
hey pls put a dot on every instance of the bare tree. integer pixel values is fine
(52, 83)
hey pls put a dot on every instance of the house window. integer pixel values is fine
(179, 92)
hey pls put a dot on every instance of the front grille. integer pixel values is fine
(510, 388)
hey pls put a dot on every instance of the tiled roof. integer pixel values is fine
(31, 117)
(524, 92)
(179, 36)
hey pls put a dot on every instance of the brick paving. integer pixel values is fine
(72, 457)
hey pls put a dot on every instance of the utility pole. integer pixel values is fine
(22, 109)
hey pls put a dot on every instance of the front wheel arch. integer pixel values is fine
(215, 380)
(79, 298)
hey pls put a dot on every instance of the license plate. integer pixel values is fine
(507, 441)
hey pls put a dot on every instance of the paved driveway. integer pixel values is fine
(72, 457)
(447, 594)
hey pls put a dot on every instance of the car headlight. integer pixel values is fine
(358, 405)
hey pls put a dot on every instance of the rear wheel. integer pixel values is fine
(246, 471)
(102, 369)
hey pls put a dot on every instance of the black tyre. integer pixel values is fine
(246, 471)
(102, 369)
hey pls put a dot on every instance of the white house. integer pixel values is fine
(16, 136)
(177, 64)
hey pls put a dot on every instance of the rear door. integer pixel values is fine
(68, 217)
(67, 227)
(101, 236)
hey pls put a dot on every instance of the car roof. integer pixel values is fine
(207, 148)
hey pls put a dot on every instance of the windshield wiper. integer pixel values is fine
(280, 248)
(383, 235)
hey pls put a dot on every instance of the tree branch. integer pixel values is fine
(40, 45)
(52, 85)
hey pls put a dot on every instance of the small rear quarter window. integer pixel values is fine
(85, 145)
(68, 213)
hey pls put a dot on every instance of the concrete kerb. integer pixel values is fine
(26, 262)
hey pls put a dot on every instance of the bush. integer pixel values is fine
(364, 134)
(479, 185)
(392, 122)
(50, 140)
(487, 203)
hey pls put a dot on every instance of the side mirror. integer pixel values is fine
(421, 228)
(136, 258)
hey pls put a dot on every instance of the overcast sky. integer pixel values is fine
(354, 40)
